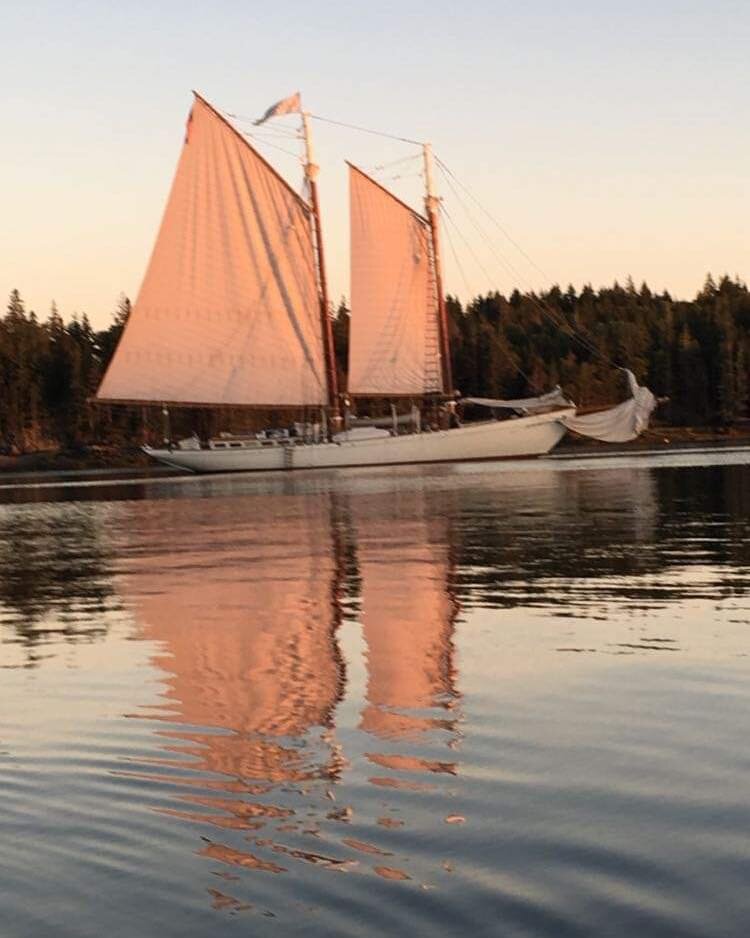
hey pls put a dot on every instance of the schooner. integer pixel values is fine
(233, 312)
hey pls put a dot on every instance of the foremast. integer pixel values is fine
(311, 174)
(432, 205)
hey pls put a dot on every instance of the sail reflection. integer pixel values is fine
(257, 723)
(408, 615)
(407, 621)
(248, 643)
(248, 632)
(253, 760)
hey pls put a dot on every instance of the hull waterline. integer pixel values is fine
(524, 437)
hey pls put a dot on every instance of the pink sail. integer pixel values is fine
(245, 632)
(394, 346)
(408, 618)
(229, 309)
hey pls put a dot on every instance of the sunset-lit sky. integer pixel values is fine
(609, 139)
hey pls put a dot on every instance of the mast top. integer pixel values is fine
(311, 174)
(311, 167)
(432, 207)
(431, 199)
(245, 142)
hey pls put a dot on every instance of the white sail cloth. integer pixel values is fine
(618, 424)
(525, 405)
(393, 347)
(229, 309)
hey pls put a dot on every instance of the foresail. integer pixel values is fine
(394, 341)
(229, 309)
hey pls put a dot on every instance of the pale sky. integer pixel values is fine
(609, 139)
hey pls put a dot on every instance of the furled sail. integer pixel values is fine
(229, 310)
(394, 341)
(618, 424)
(524, 405)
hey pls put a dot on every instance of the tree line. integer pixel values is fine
(695, 352)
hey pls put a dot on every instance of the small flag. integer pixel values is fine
(290, 105)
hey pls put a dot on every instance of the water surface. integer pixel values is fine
(498, 699)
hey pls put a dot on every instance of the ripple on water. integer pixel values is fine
(483, 700)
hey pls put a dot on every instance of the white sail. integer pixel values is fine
(524, 405)
(229, 310)
(394, 340)
(619, 424)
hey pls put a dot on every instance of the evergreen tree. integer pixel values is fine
(696, 353)
(341, 340)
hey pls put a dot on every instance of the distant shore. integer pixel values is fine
(107, 460)
(131, 460)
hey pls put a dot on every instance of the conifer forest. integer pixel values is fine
(696, 353)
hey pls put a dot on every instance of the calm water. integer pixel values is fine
(494, 700)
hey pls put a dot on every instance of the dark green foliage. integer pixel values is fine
(48, 371)
(341, 340)
(696, 353)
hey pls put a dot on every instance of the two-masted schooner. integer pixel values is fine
(233, 312)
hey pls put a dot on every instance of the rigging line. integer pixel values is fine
(491, 217)
(251, 120)
(486, 237)
(557, 319)
(272, 133)
(264, 125)
(401, 176)
(505, 352)
(498, 256)
(444, 211)
(404, 159)
(456, 258)
(366, 130)
(267, 143)
(447, 175)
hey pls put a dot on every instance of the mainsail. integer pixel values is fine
(229, 310)
(394, 342)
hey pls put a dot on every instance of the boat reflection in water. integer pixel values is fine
(249, 636)
(287, 653)
(269, 747)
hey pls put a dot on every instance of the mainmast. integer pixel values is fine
(431, 203)
(311, 173)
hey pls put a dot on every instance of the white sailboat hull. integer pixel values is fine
(525, 436)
